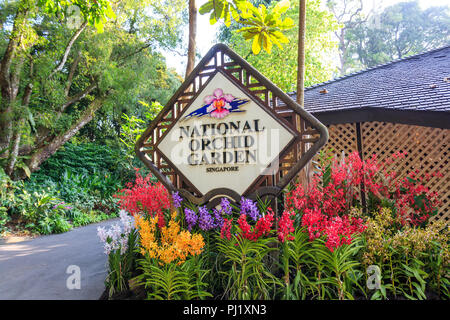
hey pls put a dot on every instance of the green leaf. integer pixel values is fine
(282, 6)
(420, 291)
(207, 7)
(256, 45)
(267, 44)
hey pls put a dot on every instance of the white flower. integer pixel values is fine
(107, 248)
(127, 221)
(123, 245)
(102, 234)
(116, 236)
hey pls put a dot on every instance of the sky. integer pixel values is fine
(206, 33)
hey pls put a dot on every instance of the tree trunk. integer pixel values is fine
(14, 150)
(9, 83)
(17, 128)
(301, 53)
(49, 149)
(192, 36)
(72, 40)
(304, 174)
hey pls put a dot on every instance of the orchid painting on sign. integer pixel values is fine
(218, 105)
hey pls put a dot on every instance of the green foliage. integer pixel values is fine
(4, 219)
(263, 25)
(74, 188)
(85, 175)
(6, 199)
(86, 158)
(318, 42)
(312, 271)
(79, 218)
(222, 9)
(121, 266)
(399, 30)
(42, 212)
(112, 70)
(174, 282)
(413, 261)
(245, 272)
(337, 271)
(95, 13)
(132, 127)
(297, 256)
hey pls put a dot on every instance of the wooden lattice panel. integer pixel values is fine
(342, 139)
(427, 151)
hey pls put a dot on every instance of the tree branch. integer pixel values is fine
(56, 142)
(43, 135)
(73, 68)
(8, 56)
(29, 87)
(80, 95)
(68, 48)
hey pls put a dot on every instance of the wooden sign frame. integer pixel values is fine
(309, 134)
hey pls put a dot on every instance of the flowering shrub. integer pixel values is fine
(248, 207)
(286, 226)
(325, 205)
(422, 252)
(242, 268)
(116, 237)
(222, 219)
(317, 248)
(145, 197)
(119, 242)
(261, 228)
(225, 231)
(337, 230)
(170, 268)
(171, 244)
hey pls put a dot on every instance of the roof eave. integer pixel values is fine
(435, 119)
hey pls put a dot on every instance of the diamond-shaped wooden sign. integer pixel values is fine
(228, 131)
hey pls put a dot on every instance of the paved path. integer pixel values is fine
(36, 269)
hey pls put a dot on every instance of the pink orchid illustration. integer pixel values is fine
(219, 104)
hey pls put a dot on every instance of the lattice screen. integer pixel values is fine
(427, 151)
(342, 139)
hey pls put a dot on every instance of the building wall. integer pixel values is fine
(428, 150)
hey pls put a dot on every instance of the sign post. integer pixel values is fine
(228, 131)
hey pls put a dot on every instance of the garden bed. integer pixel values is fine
(324, 245)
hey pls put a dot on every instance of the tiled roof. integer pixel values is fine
(416, 83)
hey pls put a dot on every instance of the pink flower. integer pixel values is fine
(219, 104)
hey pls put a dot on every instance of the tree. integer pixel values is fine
(262, 25)
(302, 59)
(348, 14)
(402, 29)
(56, 73)
(319, 47)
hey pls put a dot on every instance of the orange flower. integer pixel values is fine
(173, 245)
